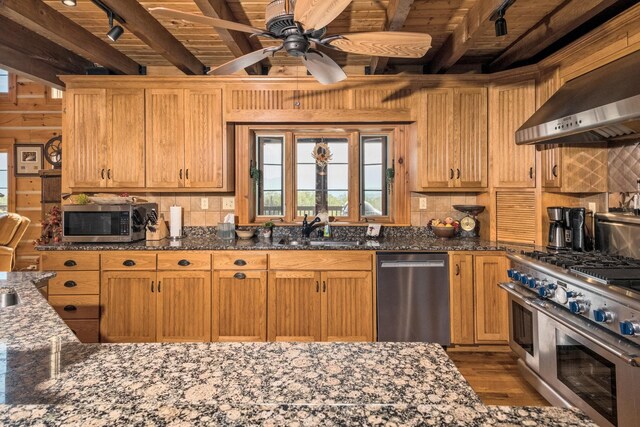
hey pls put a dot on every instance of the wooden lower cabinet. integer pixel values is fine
(315, 306)
(492, 305)
(461, 303)
(239, 306)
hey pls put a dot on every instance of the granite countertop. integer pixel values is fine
(49, 377)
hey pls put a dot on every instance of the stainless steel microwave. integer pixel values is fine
(105, 223)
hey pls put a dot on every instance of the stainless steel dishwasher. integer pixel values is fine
(413, 297)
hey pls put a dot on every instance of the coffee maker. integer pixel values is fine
(580, 239)
(556, 228)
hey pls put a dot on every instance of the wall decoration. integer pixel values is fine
(28, 159)
(322, 155)
(53, 151)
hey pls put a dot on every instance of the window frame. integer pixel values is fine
(12, 95)
(275, 134)
(386, 195)
(6, 145)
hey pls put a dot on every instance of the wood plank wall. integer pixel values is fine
(33, 118)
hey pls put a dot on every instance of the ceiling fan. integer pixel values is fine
(301, 25)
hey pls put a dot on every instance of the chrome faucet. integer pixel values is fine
(308, 227)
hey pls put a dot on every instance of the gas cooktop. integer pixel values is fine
(601, 267)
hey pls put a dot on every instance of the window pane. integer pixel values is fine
(4, 81)
(373, 183)
(306, 203)
(338, 177)
(4, 178)
(272, 177)
(4, 159)
(270, 190)
(372, 177)
(338, 203)
(304, 150)
(272, 152)
(372, 203)
(372, 151)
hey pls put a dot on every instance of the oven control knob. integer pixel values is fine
(533, 282)
(516, 275)
(547, 291)
(510, 273)
(572, 294)
(630, 327)
(524, 279)
(602, 315)
(577, 307)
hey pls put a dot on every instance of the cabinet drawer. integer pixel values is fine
(71, 260)
(184, 261)
(76, 306)
(320, 260)
(239, 261)
(71, 283)
(87, 331)
(129, 261)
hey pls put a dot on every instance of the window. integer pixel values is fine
(4, 81)
(291, 180)
(4, 181)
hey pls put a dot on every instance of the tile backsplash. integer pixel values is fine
(438, 206)
(192, 213)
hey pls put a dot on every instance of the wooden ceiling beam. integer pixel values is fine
(139, 21)
(554, 26)
(20, 63)
(397, 13)
(46, 21)
(463, 37)
(237, 43)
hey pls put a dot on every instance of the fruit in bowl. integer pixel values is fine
(444, 229)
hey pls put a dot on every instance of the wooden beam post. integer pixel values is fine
(46, 21)
(462, 38)
(397, 13)
(238, 43)
(39, 71)
(147, 28)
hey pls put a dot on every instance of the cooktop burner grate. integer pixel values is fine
(628, 277)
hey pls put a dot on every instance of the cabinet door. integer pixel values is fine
(165, 138)
(347, 306)
(126, 144)
(128, 303)
(492, 309)
(470, 139)
(551, 166)
(86, 138)
(461, 305)
(204, 148)
(184, 306)
(436, 138)
(294, 306)
(510, 106)
(240, 306)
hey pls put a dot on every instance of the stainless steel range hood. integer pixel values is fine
(600, 106)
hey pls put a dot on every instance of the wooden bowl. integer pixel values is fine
(443, 232)
(245, 234)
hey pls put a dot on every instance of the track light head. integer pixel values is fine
(69, 3)
(501, 25)
(115, 32)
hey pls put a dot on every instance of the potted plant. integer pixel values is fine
(266, 230)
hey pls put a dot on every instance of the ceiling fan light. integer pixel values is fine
(69, 3)
(501, 27)
(115, 32)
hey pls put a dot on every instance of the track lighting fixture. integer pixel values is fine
(501, 24)
(115, 31)
(69, 3)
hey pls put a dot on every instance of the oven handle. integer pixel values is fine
(509, 287)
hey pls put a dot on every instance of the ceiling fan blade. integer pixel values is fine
(203, 20)
(316, 14)
(390, 44)
(243, 62)
(323, 68)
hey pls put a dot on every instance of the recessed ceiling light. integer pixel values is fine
(115, 32)
(69, 3)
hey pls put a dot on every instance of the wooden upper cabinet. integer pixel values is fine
(294, 306)
(240, 306)
(551, 160)
(128, 305)
(575, 169)
(86, 137)
(436, 137)
(461, 305)
(183, 306)
(509, 107)
(126, 148)
(470, 137)
(204, 147)
(492, 305)
(165, 138)
(347, 306)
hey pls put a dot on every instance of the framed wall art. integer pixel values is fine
(28, 158)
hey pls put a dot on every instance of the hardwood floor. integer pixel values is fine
(496, 379)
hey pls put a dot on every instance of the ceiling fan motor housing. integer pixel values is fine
(278, 19)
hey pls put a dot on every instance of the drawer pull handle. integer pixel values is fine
(240, 262)
(74, 332)
(70, 263)
(70, 284)
(70, 308)
(129, 263)
(240, 276)
(184, 263)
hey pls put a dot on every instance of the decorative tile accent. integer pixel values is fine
(624, 167)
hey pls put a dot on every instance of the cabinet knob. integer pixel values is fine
(70, 284)
(70, 263)
(240, 276)
(240, 262)
(129, 263)
(184, 263)
(70, 308)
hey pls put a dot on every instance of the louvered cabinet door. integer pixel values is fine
(516, 216)
(294, 306)
(470, 140)
(86, 137)
(184, 306)
(436, 139)
(492, 304)
(347, 306)
(509, 107)
(205, 149)
(127, 145)
(240, 306)
(165, 138)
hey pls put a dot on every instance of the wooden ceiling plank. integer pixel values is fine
(21, 63)
(462, 38)
(238, 43)
(147, 28)
(554, 26)
(37, 47)
(397, 13)
(46, 21)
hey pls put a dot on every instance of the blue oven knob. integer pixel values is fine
(572, 294)
(602, 315)
(630, 327)
(546, 291)
(510, 273)
(577, 307)
(524, 279)
(533, 282)
(516, 275)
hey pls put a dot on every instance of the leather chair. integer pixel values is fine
(12, 228)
